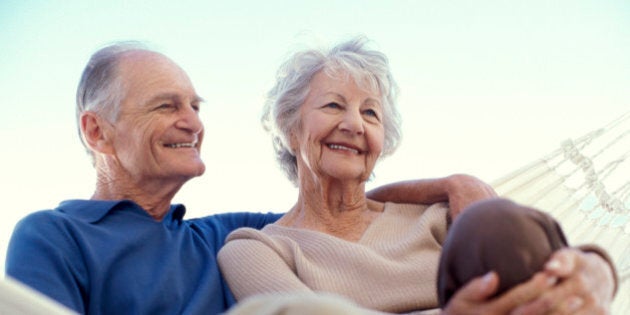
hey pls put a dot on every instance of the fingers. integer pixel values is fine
(583, 285)
(471, 299)
(519, 299)
(480, 289)
(563, 298)
(563, 262)
(577, 306)
(571, 305)
(474, 298)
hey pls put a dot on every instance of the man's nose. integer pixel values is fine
(190, 120)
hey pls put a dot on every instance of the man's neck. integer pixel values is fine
(154, 198)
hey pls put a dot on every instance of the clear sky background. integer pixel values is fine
(486, 86)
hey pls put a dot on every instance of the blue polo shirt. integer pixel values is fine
(112, 257)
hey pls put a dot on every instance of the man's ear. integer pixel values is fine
(97, 132)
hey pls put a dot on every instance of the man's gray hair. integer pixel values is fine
(368, 68)
(100, 88)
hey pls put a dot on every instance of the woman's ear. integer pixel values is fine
(97, 132)
(293, 143)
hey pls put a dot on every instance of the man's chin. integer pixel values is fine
(201, 171)
(192, 173)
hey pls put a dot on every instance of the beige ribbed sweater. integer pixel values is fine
(392, 268)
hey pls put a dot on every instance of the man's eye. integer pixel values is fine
(165, 106)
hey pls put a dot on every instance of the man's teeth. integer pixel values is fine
(181, 145)
(340, 147)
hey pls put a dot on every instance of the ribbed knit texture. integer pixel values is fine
(392, 268)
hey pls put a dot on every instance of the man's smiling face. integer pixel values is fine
(158, 132)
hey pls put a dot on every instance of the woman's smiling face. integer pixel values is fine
(341, 132)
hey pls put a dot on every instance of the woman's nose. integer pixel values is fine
(352, 122)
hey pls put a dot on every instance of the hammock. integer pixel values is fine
(585, 185)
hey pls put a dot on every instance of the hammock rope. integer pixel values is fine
(585, 185)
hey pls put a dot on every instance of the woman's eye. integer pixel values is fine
(371, 112)
(333, 105)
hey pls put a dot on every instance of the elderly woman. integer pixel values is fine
(333, 116)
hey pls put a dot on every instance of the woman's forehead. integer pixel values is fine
(343, 74)
(364, 79)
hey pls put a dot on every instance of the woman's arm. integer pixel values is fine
(250, 267)
(459, 190)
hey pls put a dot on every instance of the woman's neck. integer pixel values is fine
(332, 207)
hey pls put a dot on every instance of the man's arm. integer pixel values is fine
(235, 220)
(458, 190)
(40, 256)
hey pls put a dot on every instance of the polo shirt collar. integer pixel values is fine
(92, 211)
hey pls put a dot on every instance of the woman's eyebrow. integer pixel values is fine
(335, 95)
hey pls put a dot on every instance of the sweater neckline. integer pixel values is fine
(284, 230)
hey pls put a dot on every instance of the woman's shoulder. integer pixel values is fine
(269, 232)
(248, 242)
(276, 236)
(245, 233)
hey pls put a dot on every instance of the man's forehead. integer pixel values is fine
(137, 60)
(153, 74)
(142, 53)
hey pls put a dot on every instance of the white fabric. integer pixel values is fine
(17, 298)
(299, 304)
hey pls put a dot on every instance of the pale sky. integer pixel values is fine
(486, 86)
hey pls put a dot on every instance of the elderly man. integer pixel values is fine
(128, 249)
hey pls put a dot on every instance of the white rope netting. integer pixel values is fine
(585, 185)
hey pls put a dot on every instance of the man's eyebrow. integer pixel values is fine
(174, 96)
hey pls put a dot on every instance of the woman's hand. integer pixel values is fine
(573, 282)
(586, 285)
(474, 297)
(464, 189)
